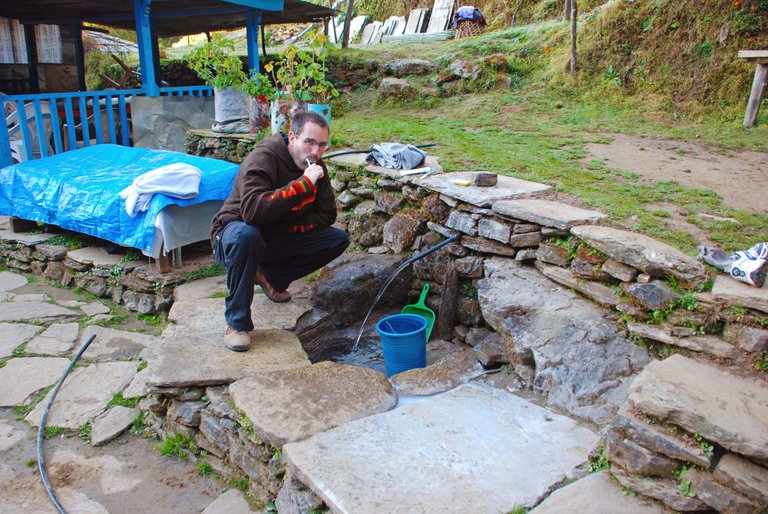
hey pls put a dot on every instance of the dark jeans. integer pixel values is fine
(282, 259)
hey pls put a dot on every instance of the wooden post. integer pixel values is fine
(574, 18)
(756, 96)
(347, 22)
(759, 84)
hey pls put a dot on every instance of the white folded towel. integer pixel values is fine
(178, 180)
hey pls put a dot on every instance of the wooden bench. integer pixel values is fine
(758, 84)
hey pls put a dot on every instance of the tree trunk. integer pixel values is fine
(514, 16)
(347, 23)
(574, 17)
(567, 6)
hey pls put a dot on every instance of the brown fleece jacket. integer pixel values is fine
(271, 192)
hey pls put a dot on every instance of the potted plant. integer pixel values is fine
(216, 64)
(300, 76)
(259, 90)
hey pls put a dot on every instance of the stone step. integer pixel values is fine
(728, 410)
(473, 449)
(730, 290)
(507, 188)
(546, 213)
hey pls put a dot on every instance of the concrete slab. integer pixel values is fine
(21, 378)
(546, 213)
(738, 293)
(507, 188)
(10, 281)
(35, 311)
(596, 494)
(30, 297)
(206, 316)
(231, 502)
(15, 334)
(320, 396)
(200, 360)
(58, 339)
(113, 344)
(84, 394)
(94, 308)
(473, 449)
(96, 256)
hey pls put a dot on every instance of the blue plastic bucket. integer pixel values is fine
(404, 341)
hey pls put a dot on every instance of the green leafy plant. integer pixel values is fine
(684, 485)
(118, 399)
(86, 429)
(258, 84)
(216, 64)
(177, 446)
(301, 73)
(49, 432)
(137, 426)
(204, 468)
(705, 446)
(599, 461)
(212, 270)
(761, 363)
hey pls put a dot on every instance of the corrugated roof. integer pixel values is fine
(174, 17)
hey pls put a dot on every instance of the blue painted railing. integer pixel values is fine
(40, 125)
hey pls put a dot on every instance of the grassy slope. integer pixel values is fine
(538, 129)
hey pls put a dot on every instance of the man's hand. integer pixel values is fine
(314, 173)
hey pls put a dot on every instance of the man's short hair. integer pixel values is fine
(301, 118)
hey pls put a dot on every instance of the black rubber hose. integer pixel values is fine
(41, 428)
(347, 152)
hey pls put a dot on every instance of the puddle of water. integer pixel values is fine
(367, 354)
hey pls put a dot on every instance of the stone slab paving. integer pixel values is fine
(25, 238)
(474, 449)
(596, 494)
(507, 188)
(96, 256)
(643, 252)
(738, 293)
(200, 289)
(206, 316)
(113, 344)
(85, 394)
(58, 339)
(729, 410)
(112, 423)
(198, 361)
(445, 374)
(321, 396)
(21, 378)
(546, 213)
(15, 334)
(94, 308)
(10, 281)
(9, 436)
(35, 311)
(231, 502)
(30, 297)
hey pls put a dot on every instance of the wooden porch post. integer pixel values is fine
(146, 48)
(77, 37)
(252, 22)
(29, 38)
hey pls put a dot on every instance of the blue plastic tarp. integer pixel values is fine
(78, 190)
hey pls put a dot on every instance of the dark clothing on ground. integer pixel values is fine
(274, 219)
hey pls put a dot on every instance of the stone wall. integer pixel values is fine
(688, 430)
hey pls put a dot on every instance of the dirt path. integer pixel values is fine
(740, 177)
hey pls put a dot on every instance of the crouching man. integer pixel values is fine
(275, 226)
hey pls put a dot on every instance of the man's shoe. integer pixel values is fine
(237, 340)
(271, 292)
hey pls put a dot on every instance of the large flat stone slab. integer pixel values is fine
(21, 378)
(206, 316)
(85, 394)
(113, 344)
(546, 213)
(578, 355)
(10, 281)
(58, 339)
(292, 405)
(35, 311)
(473, 449)
(199, 289)
(9, 436)
(595, 494)
(231, 502)
(112, 423)
(15, 334)
(643, 252)
(25, 238)
(95, 256)
(507, 188)
(728, 410)
(199, 360)
(738, 293)
(357, 160)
